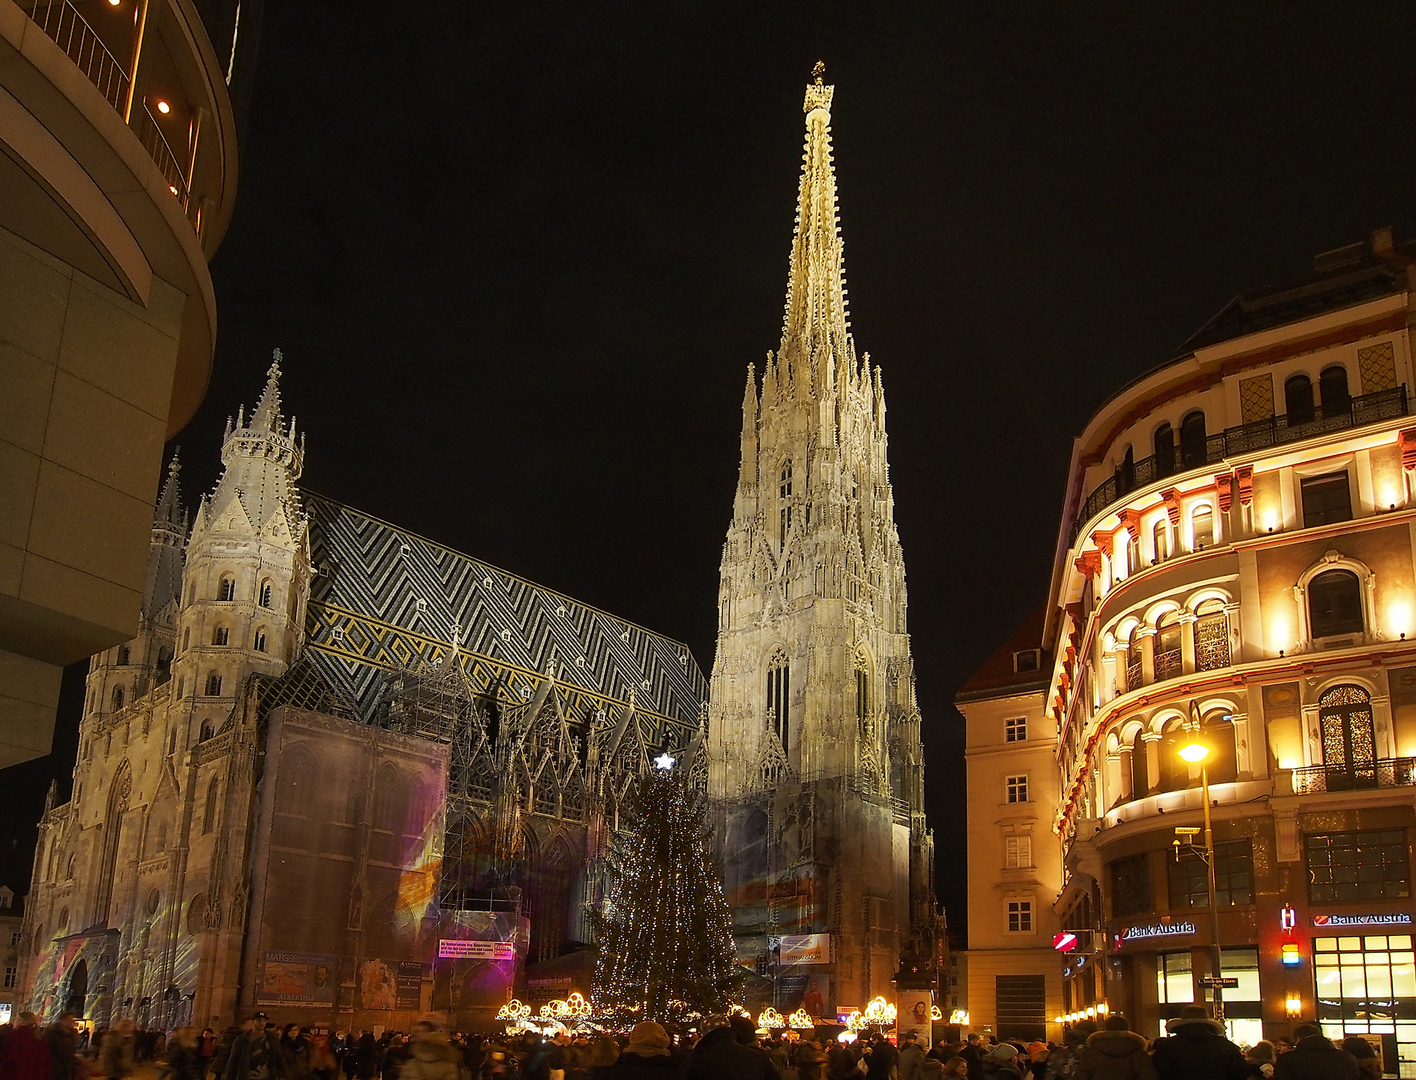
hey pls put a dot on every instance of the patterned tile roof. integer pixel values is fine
(383, 597)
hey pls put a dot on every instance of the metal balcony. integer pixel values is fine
(1246, 438)
(1378, 773)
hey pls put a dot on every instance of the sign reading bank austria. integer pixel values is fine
(1366, 918)
(1149, 931)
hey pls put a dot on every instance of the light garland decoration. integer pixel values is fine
(936, 1013)
(666, 945)
(879, 1013)
(770, 1018)
(801, 1021)
(513, 1010)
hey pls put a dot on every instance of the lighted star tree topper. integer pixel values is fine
(666, 943)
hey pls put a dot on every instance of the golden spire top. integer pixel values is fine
(818, 95)
(819, 70)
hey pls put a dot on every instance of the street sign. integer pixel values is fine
(1231, 983)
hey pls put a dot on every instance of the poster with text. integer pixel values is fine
(297, 979)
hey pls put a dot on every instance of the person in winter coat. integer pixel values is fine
(255, 1053)
(721, 1055)
(809, 1059)
(26, 1053)
(911, 1055)
(1260, 1058)
(115, 1058)
(1314, 1057)
(1067, 1058)
(1001, 1063)
(1114, 1053)
(296, 1049)
(63, 1039)
(184, 1056)
(974, 1051)
(1197, 1047)
(431, 1055)
(365, 1057)
(646, 1057)
(223, 1051)
(1368, 1063)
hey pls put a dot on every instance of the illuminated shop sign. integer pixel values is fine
(1157, 930)
(475, 950)
(1389, 918)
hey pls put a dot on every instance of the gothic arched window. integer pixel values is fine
(862, 686)
(265, 593)
(112, 833)
(778, 694)
(212, 805)
(208, 730)
(259, 643)
(123, 655)
(164, 664)
(117, 697)
(1334, 604)
(784, 494)
(213, 685)
(226, 589)
(221, 635)
(1298, 399)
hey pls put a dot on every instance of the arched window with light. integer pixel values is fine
(778, 694)
(784, 502)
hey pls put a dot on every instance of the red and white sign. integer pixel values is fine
(475, 950)
(1064, 942)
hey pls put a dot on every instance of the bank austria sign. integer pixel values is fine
(1182, 928)
(1386, 918)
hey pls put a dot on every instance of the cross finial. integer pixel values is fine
(819, 71)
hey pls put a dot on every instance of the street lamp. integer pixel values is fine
(1195, 752)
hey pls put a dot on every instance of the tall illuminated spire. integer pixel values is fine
(815, 331)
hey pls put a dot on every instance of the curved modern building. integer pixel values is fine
(1234, 572)
(117, 181)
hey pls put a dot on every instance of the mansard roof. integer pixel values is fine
(999, 676)
(385, 598)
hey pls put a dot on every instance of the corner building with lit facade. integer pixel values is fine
(1235, 567)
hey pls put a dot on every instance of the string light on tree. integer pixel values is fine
(666, 944)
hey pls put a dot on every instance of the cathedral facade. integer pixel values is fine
(349, 773)
(814, 753)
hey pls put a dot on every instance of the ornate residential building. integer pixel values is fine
(1235, 570)
(813, 731)
(333, 748)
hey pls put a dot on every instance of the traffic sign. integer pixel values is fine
(1231, 983)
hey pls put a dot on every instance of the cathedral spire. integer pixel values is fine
(266, 416)
(169, 503)
(815, 331)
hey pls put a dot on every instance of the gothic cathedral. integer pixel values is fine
(815, 762)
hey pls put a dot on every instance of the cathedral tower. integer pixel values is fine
(248, 565)
(813, 733)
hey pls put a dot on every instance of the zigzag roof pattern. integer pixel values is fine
(383, 598)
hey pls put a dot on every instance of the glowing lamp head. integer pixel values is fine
(1194, 752)
(164, 108)
(664, 761)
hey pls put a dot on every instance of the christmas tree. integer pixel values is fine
(666, 942)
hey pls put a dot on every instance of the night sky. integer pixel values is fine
(518, 257)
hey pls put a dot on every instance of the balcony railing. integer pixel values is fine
(71, 32)
(1259, 435)
(63, 24)
(1379, 773)
(1167, 665)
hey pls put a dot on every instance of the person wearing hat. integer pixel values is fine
(1314, 1057)
(1114, 1053)
(1368, 1064)
(1001, 1063)
(255, 1053)
(1197, 1047)
(646, 1056)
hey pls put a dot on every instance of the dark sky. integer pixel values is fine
(518, 256)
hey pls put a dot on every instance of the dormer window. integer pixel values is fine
(1025, 660)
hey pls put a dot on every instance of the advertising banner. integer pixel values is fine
(297, 979)
(410, 984)
(376, 985)
(798, 949)
(913, 1014)
(450, 949)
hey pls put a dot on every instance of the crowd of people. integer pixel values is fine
(1194, 1048)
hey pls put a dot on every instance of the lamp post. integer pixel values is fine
(1196, 751)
